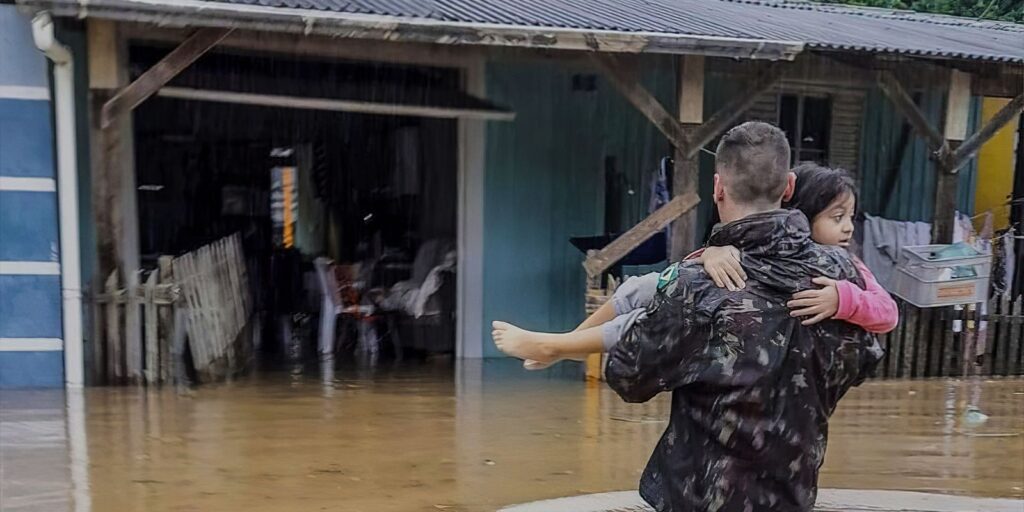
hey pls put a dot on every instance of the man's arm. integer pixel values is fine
(659, 348)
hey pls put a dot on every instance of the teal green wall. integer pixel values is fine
(914, 194)
(544, 183)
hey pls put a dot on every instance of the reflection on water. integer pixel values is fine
(436, 437)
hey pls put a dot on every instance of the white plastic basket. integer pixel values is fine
(927, 281)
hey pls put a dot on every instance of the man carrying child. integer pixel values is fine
(753, 384)
(752, 388)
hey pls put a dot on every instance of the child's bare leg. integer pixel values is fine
(546, 347)
(603, 314)
(634, 293)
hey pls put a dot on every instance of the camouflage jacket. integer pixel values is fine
(752, 389)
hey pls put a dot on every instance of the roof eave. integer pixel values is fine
(202, 13)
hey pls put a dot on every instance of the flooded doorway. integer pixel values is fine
(339, 170)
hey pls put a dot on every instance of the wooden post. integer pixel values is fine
(687, 167)
(113, 178)
(958, 111)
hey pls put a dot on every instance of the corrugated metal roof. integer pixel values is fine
(825, 26)
(817, 26)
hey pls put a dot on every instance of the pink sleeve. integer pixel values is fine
(871, 308)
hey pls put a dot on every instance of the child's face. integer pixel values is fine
(834, 225)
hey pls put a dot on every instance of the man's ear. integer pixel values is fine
(790, 187)
(719, 191)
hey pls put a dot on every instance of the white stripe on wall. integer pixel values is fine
(14, 184)
(29, 268)
(23, 92)
(31, 344)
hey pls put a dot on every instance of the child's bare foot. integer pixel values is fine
(530, 364)
(521, 343)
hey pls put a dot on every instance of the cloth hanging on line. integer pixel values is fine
(884, 239)
(660, 196)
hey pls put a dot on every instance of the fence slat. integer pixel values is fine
(115, 366)
(948, 360)
(99, 343)
(165, 317)
(909, 345)
(1012, 365)
(133, 338)
(152, 369)
(990, 338)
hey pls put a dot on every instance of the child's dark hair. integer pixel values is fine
(817, 187)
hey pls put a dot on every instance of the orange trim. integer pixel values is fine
(287, 175)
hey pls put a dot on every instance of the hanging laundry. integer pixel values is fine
(660, 195)
(884, 239)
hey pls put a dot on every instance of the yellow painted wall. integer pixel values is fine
(995, 167)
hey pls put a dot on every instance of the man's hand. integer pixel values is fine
(723, 266)
(820, 304)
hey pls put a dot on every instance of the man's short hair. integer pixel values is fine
(753, 159)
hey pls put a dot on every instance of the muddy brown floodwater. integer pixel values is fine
(439, 437)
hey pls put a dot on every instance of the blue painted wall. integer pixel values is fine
(30, 306)
(913, 197)
(544, 183)
(20, 62)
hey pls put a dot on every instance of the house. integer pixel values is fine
(532, 122)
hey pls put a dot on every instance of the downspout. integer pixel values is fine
(67, 197)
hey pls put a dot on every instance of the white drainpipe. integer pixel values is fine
(67, 195)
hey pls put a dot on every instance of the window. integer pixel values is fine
(806, 121)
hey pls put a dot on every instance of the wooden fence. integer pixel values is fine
(122, 353)
(215, 294)
(140, 328)
(952, 342)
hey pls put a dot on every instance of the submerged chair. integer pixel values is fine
(344, 300)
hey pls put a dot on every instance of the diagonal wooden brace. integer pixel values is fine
(728, 114)
(162, 72)
(971, 146)
(622, 75)
(905, 105)
(602, 260)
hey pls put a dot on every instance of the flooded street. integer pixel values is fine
(475, 437)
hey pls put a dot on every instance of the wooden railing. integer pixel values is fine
(197, 303)
(953, 342)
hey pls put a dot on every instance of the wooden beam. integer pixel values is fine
(971, 146)
(335, 105)
(729, 113)
(161, 73)
(690, 94)
(958, 105)
(101, 37)
(691, 89)
(905, 106)
(597, 263)
(623, 76)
